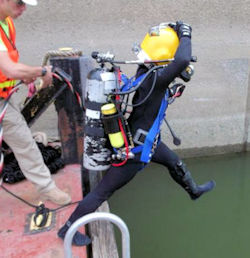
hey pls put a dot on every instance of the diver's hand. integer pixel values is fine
(172, 25)
(183, 29)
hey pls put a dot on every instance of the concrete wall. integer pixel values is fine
(212, 116)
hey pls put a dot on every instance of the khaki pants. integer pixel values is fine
(17, 135)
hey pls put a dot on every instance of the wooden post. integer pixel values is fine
(70, 114)
(101, 232)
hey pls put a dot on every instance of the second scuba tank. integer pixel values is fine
(110, 120)
(97, 153)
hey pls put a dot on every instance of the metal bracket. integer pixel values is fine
(140, 136)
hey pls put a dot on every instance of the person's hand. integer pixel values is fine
(47, 78)
(28, 81)
(183, 29)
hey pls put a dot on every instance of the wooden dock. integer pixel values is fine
(16, 238)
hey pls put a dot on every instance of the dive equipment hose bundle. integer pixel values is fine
(52, 158)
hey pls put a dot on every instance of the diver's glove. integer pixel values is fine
(182, 29)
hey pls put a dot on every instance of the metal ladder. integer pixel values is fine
(93, 217)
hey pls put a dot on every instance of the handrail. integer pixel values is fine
(103, 216)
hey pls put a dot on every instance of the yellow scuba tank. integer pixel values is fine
(110, 118)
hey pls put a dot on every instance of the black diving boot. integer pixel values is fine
(79, 239)
(183, 177)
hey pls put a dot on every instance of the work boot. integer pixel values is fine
(79, 239)
(57, 196)
(183, 177)
(201, 189)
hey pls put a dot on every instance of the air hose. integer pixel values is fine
(120, 93)
(40, 209)
(12, 173)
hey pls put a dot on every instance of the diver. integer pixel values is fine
(165, 41)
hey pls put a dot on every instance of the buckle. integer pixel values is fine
(140, 136)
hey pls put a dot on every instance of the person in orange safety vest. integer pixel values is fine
(16, 132)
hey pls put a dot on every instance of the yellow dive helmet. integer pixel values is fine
(160, 43)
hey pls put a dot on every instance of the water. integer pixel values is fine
(165, 223)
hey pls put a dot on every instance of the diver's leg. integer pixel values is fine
(178, 171)
(115, 178)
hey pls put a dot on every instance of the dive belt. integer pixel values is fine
(147, 140)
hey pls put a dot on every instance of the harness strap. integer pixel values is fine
(130, 82)
(137, 149)
(151, 138)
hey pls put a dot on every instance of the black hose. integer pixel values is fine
(140, 83)
(148, 95)
(51, 156)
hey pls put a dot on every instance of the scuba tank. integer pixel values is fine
(97, 153)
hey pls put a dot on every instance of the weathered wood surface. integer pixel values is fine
(37, 104)
(102, 232)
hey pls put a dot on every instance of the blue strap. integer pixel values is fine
(154, 131)
(130, 82)
(146, 148)
(137, 149)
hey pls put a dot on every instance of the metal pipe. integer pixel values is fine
(139, 62)
(103, 216)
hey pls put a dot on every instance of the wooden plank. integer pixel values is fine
(101, 232)
(35, 106)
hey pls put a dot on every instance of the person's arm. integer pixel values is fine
(24, 72)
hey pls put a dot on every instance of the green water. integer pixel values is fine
(164, 223)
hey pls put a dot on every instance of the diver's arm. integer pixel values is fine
(181, 61)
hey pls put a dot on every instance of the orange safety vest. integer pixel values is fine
(6, 84)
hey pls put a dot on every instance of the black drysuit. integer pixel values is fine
(142, 117)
